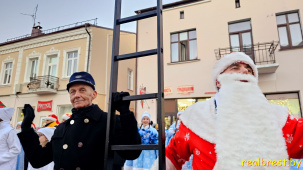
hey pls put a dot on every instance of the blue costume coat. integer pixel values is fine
(149, 135)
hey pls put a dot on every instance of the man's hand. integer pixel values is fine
(121, 106)
(29, 116)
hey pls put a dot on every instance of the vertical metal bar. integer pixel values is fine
(110, 127)
(160, 102)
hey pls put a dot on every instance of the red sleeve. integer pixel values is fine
(178, 151)
(293, 134)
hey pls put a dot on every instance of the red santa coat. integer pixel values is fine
(187, 142)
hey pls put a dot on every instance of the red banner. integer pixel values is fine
(185, 89)
(47, 105)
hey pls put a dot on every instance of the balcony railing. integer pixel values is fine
(261, 53)
(43, 84)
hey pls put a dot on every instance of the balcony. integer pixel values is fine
(43, 85)
(263, 55)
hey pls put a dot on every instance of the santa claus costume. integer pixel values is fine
(235, 126)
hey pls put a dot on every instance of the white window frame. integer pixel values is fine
(130, 79)
(4, 62)
(50, 53)
(65, 61)
(29, 58)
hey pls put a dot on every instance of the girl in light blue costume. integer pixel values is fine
(149, 135)
(171, 133)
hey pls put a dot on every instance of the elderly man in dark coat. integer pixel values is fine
(79, 142)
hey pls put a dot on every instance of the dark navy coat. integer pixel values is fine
(79, 142)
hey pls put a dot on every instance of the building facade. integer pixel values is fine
(196, 33)
(35, 69)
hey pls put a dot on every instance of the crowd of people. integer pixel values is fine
(237, 124)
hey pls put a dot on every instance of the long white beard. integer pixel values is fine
(247, 126)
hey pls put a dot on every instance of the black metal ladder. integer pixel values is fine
(109, 148)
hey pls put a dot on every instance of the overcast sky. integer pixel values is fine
(55, 13)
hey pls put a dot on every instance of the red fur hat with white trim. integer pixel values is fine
(230, 59)
(53, 118)
(66, 116)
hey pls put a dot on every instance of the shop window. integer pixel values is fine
(20, 115)
(62, 109)
(289, 29)
(240, 37)
(7, 73)
(184, 103)
(184, 46)
(290, 100)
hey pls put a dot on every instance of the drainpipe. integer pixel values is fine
(89, 44)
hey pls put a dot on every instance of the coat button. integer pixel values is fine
(78, 168)
(72, 122)
(65, 146)
(86, 120)
(80, 144)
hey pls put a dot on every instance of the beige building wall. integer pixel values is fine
(98, 58)
(210, 18)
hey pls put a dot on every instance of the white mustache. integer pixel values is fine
(237, 77)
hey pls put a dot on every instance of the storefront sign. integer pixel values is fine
(46, 105)
(185, 89)
(167, 91)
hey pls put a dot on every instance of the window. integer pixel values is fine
(181, 14)
(290, 100)
(240, 37)
(51, 67)
(33, 67)
(130, 79)
(72, 63)
(289, 29)
(184, 46)
(237, 3)
(7, 73)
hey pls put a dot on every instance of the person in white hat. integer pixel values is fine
(65, 117)
(149, 135)
(45, 135)
(9, 143)
(238, 128)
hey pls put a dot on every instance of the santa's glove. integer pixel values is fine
(119, 104)
(29, 116)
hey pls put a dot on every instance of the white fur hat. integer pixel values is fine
(47, 132)
(228, 60)
(145, 114)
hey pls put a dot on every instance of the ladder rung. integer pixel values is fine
(135, 147)
(141, 97)
(137, 17)
(136, 54)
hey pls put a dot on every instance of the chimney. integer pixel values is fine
(36, 30)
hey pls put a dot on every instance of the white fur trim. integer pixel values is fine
(50, 118)
(65, 117)
(229, 59)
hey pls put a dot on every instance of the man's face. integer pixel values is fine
(237, 68)
(18, 126)
(81, 95)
